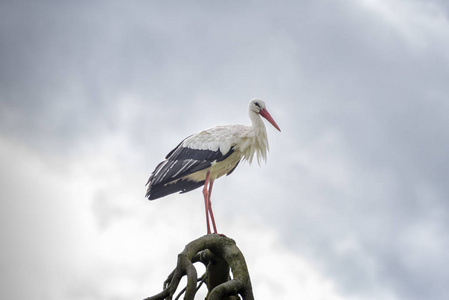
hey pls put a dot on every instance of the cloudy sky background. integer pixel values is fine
(352, 203)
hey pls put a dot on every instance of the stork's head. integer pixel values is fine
(258, 106)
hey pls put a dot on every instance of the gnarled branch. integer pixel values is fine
(221, 256)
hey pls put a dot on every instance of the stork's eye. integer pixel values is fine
(257, 104)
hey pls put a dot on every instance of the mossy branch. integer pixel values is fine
(221, 257)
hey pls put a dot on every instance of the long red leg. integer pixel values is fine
(206, 202)
(210, 206)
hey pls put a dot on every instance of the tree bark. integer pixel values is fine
(221, 257)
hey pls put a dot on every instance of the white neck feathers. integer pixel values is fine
(255, 140)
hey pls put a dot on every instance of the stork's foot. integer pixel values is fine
(219, 234)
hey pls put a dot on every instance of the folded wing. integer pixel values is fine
(170, 175)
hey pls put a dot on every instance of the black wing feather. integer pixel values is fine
(182, 186)
(167, 178)
(176, 148)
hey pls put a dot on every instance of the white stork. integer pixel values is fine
(203, 157)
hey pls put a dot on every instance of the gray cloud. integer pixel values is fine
(361, 96)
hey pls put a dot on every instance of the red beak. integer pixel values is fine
(264, 113)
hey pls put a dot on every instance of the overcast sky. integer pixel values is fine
(352, 204)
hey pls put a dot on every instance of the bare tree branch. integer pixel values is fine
(221, 256)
